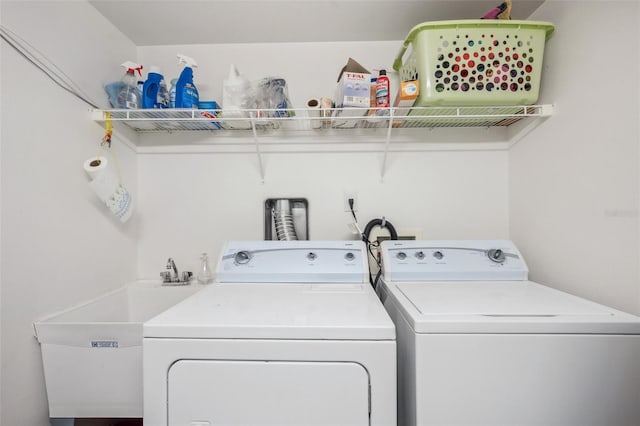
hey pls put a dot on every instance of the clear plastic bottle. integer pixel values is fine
(130, 95)
(204, 276)
(172, 93)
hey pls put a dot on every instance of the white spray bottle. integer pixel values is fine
(129, 95)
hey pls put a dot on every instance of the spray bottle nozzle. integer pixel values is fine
(188, 61)
(133, 67)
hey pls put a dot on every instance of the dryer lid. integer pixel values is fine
(323, 311)
(506, 307)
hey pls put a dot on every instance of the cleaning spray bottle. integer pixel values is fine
(129, 95)
(154, 90)
(186, 92)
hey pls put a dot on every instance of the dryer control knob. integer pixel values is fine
(496, 255)
(311, 256)
(438, 255)
(350, 256)
(401, 255)
(420, 255)
(242, 257)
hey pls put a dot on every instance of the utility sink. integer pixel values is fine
(92, 353)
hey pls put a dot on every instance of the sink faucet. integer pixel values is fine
(171, 275)
(171, 266)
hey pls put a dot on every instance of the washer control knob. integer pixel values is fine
(401, 255)
(350, 256)
(496, 255)
(420, 255)
(242, 257)
(438, 255)
(311, 256)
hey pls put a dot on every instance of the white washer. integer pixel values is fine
(292, 334)
(479, 344)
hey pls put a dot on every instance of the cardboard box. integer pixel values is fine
(407, 95)
(353, 91)
(354, 86)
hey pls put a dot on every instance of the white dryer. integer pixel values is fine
(291, 334)
(479, 344)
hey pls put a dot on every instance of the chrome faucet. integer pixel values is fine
(171, 275)
(171, 266)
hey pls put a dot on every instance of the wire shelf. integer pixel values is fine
(173, 120)
(270, 130)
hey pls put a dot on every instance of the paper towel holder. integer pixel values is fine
(297, 213)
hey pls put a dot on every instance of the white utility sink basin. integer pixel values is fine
(92, 353)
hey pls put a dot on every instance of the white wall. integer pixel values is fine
(192, 203)
(574, 182)
(59, 243)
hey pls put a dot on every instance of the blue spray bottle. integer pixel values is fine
(154, 90)
(186, 92)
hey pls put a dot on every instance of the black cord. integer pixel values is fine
(377, 278)
(383, 223)
(47, 72)
(370, 246)
(351, 202)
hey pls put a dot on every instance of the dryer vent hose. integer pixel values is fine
(283, 219)
(383, 223)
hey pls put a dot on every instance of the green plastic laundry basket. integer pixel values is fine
(475, 62)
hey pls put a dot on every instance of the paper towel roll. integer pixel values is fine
(95, 165)
(313, 111)
(108, 188)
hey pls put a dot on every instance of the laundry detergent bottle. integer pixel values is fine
(129, 95)
(154, 90)
(186, 92)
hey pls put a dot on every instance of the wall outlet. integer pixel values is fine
(347, 196)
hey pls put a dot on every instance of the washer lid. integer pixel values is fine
(324, 311)
(505, 307)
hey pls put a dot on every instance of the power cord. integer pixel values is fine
(351, 204)
(44, 64)
(383, 223)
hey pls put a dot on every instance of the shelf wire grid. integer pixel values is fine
(170, 120)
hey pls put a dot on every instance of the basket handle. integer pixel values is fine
(407, 41)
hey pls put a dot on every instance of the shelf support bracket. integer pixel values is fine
(546, 111)
(252, 115)
(386, 146)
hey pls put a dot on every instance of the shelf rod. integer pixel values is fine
(386, 146)
(255, 138)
